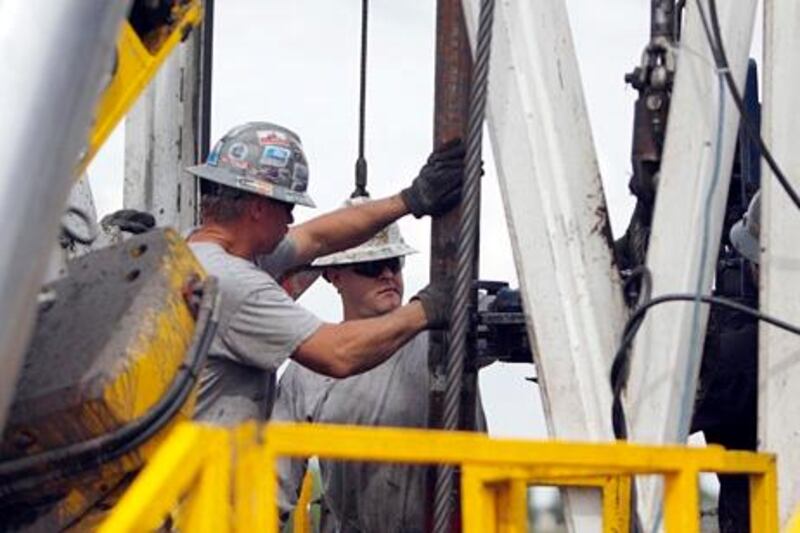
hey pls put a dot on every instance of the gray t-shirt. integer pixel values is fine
(260, 326)
(361, 496)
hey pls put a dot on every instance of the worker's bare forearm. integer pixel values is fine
(345, 227)
(354, 346)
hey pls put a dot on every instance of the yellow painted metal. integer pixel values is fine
(793, 526)
(208, 508)
(146, 351)
(615, 489)
(302, 516)
(137, 63)
(763, 502)
(255, 482)
(495, 473)
(478, 508)
(511, 502)
(455, 447)
(616, 503)
(155, 355)
(160, 487)
(682, 501)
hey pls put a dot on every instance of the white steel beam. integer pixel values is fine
(667, 351)
(53, 72)
(557, 220)
(160, 141)
(779, 362)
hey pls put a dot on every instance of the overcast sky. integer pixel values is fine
(296, 63)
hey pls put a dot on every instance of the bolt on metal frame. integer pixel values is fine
(218, 479)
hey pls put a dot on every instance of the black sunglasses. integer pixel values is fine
(373, 269)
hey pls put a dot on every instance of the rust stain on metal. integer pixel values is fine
(451, 114)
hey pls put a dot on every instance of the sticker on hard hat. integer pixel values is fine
(272, 137)
(238, 151)
(255, 185)
(275, 156)
(213, 157)
(300, 177)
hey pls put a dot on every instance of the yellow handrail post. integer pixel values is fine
(478, 502)
(302, 516)
(511, 499)
(617, 504)
(254, 483)
(764, 501)
(208, 509)
(682, 502)
(159, 487)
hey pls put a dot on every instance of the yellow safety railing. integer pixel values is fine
(301, 519)
(794, 522)
(226, 480)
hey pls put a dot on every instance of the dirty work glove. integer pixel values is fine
(130, 220)
(436, 299)
(437, 189)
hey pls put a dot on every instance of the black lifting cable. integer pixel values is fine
(714, 37)
(361, 162)
(621, 365)
(467, 231)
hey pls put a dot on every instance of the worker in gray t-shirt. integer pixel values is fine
(357, 496)
(251, 181)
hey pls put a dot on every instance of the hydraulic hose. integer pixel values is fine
(28, 472)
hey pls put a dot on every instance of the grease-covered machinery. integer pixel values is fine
(111, 368)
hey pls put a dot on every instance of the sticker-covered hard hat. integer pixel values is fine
(260, 158)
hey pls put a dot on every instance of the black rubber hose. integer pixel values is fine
(714, 37)
(27, 472)
(621, 359)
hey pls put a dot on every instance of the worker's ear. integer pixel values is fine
(332, 276)
(257, 208)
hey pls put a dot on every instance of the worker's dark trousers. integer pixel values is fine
(726, 412)
(734, 493)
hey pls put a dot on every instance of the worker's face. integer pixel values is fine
(272, 219)
(370, 289)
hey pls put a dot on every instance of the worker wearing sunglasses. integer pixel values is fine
(363, 496)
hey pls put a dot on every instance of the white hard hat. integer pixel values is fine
(745, 233)
(386, 244)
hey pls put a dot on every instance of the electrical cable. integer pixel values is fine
(620, 365)
(123, 480)
(714, 37)
(621, 358)
(695, 343)
(361, 162)
(28, 472)
(465, 260)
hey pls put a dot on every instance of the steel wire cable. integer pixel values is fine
(714, 37)
(361, 162)
(465, 260)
